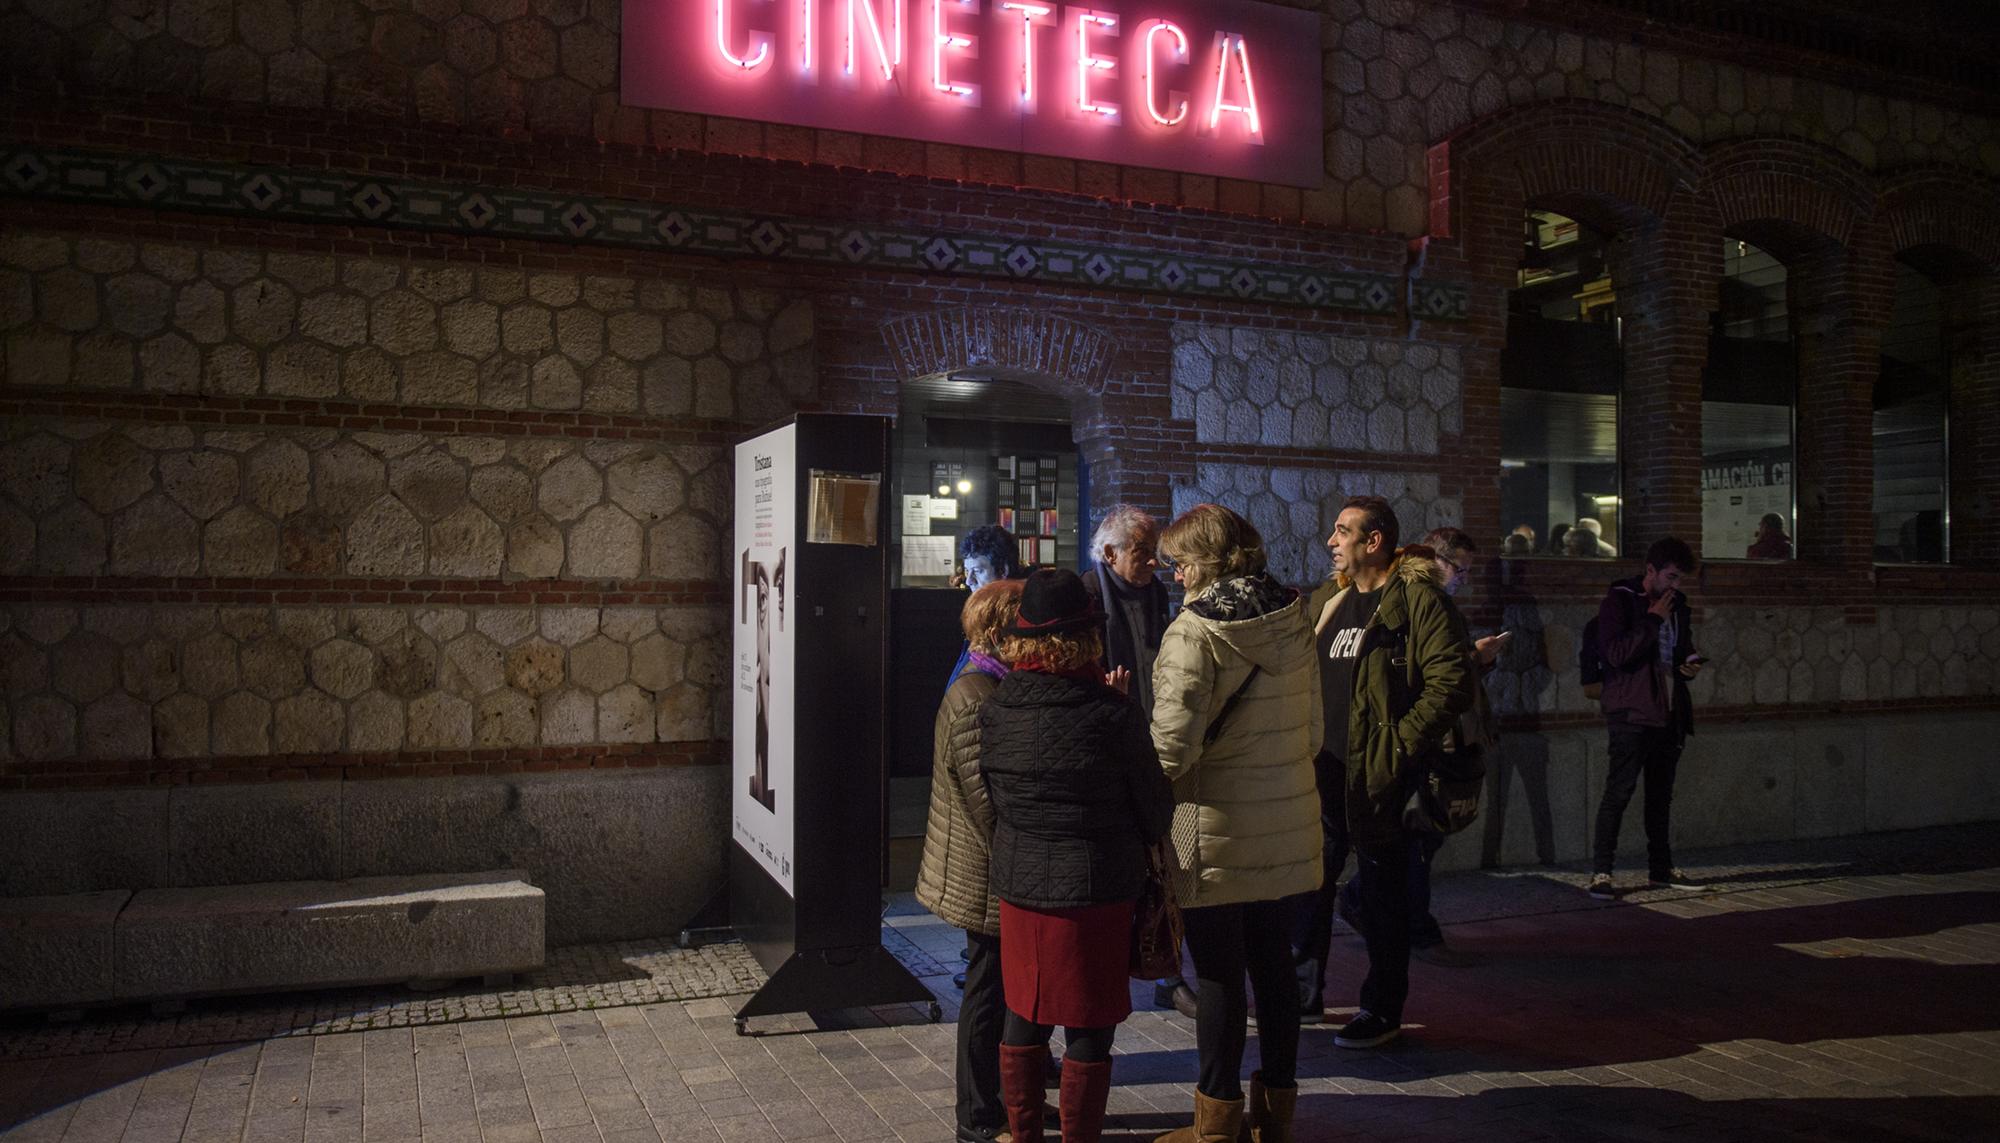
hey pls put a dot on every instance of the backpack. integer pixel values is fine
(1589, 663)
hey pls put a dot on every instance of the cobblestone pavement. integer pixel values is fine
(1841, 990)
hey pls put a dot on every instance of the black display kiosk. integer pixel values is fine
(809, 618)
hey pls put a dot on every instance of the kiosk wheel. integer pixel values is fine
(937, 1012)
(742, 1026)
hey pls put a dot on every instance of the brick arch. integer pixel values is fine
(1051, 352)
(1609, 167)
(1790, 188)
(1941, 207)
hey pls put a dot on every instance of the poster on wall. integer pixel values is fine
(765, 623)
(1737, 490)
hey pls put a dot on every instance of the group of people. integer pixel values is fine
(1583, 539)
(1246, 745)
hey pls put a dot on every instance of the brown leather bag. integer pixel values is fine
(1157, 929)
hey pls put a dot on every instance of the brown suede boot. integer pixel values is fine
(1268, 1118)
(1021, 1072)
(1085, 1087)
(1215, 1121)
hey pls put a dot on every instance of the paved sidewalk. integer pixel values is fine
(1842, 990)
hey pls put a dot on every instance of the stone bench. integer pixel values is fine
(55, 952)
(222, 939)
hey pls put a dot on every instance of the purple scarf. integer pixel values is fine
(985, 664)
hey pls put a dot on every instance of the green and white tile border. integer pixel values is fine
(138, 180)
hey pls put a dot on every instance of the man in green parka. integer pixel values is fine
(1395, 674)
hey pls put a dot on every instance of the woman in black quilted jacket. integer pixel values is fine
(1078, 796)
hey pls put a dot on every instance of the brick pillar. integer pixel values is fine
(1840, 301)
(1665, 278)
(1973, 336)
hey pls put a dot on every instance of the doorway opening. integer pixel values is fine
(970, 448)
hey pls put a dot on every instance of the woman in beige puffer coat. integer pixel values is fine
(1236, 721)
(958, 846)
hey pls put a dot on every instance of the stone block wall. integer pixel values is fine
(1767, 657)
(349, 529)
(87, 498)
(132, 683)
(1276, 388)
(104, 314)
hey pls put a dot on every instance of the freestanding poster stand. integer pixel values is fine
(809, 617)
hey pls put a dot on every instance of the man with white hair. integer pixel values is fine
(1126, 549)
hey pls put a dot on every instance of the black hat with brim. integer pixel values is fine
(1054, 601)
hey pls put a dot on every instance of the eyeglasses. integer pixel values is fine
(1456, 567)
(1166, 562)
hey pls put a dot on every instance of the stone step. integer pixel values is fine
(55, 952)
(318, 934)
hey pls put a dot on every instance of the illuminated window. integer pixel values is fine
(1561, 374)
(1748, 397)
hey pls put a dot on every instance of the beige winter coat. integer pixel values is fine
(958, 838)
(1246, 826)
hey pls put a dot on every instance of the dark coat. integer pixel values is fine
(1076, 789)
(1628, 639)
(1413, 681)
(1125, 647)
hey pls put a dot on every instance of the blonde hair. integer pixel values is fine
(1210, 542)
(1065, 651)
(988, 612)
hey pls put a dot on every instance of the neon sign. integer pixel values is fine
(1222, 87)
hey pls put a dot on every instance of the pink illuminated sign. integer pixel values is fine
(1219, 87)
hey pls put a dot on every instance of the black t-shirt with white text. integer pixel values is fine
(1339, 648)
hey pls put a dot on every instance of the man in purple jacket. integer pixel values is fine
(1645, 636)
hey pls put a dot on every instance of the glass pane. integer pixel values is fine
(1911, 407)
(1748, 393)
(1561, 373)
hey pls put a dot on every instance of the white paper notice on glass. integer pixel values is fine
(944, 507)
(917, 515)
(927, 556)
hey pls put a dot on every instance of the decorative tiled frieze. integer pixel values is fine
(87, 498)
(132, 180)
(1281, 389)
(121, 683)
(1294, 508)
(102, 314)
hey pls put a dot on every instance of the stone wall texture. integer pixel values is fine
(1295, 507)
(133, 682)
(87, 498)
(100, 314)
(1768, 656)
(1282, 389)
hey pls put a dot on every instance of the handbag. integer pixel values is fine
(1157, 928)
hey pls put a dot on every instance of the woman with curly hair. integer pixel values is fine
(1078, 797)
(958, 842)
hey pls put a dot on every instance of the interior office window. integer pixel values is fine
(1911, 411)
(1748, 395)
(1561, 373)
(974, 449)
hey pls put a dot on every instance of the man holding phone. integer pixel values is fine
(1645, 635)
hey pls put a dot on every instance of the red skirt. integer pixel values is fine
(1067, 966)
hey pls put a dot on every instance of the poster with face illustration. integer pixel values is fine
(764, 625)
